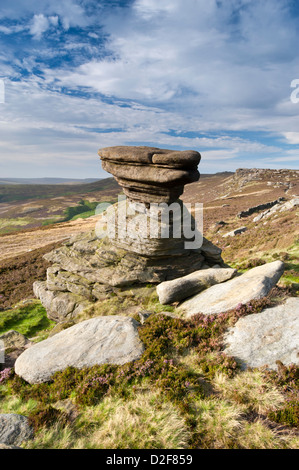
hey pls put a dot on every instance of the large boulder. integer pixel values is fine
(14, 429)
(264, 338)
(183, 287)
(101, 340)
(254, 284)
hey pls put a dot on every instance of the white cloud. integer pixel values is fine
(53, 20)
(39, 25)
(292, 137)
(206, 67)
(190, 55)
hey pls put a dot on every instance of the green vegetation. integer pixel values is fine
(184, 392)
(23, 192)
(288, 381)
(14, 224)
(83, 210)
(28, 319)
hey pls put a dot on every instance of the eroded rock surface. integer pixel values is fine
(183, 287)
(150, 174)
(264, 338)
(149, 237)
(101, 340)
(14, 429)
(254, 284)
(14, 343)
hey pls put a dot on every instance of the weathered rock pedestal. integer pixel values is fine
(149, 234)
(152, 221)
(149, 174)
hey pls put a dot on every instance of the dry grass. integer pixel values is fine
(258, 436)
(218, 422)
(250, 390)
(223, 425)
(143, 423)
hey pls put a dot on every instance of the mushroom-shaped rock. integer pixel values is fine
(149, 174)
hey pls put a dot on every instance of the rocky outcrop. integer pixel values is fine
(86, 269)
(278, 208)
(260, 207)
(254, 284)
(101, 340)
(14, 340)
(183, 287)
(140, 240)
(14, 429)
(235, 232)
(149, 174)
(264, 338)
(59, 305)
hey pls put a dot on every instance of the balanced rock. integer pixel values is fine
(152, 221)
(264, 338)
(254, 284)
(14, 429)
(149, 237)
(183, 287)
(150, 174)
(101, 340)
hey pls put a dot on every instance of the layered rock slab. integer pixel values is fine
(186, 286)
(101, 340)
(150, 174)
(86, 269)
(254, 284)
(262, 339)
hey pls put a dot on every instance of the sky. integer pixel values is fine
(217, 76)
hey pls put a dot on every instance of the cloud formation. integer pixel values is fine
(214, 76)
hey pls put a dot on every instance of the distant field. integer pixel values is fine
(25, 206)
(23, 192)
(47, 180)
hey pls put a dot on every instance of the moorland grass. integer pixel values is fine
(28, 318)
(184, 392)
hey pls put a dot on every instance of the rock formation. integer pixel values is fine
(254, 284)
(110, 339)
(149, 174)
(186, 286)
(89, 266)
(264, 339)
(14, 429)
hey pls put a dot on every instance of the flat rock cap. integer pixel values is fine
(150, 155)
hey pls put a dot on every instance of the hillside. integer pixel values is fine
(46, 181)
(185, 391)
(223, 195)
(24, 207)
(25, 192)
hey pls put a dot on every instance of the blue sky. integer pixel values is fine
(213, 76)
